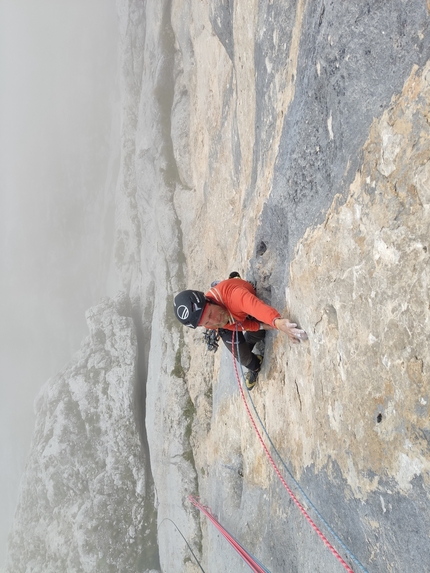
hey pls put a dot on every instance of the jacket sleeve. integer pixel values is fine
(252, 305)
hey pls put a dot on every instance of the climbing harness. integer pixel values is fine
(284, 483)
(249, 559)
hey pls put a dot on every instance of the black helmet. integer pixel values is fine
(189, 306)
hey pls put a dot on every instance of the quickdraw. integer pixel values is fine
(211, 338)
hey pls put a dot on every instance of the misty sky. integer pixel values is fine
(59, 145)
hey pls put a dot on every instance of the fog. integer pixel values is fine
(59, 145)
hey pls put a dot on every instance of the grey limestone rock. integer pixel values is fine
(82, 499)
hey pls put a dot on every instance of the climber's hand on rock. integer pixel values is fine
(290, 329)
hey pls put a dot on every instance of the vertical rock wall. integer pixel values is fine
(240, 124)
(84, 498)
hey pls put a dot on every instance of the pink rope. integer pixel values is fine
(275, 467)
(255, 567)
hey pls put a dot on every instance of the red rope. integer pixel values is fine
(254, 566)
(275, 467)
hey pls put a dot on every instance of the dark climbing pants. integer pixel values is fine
(244, 343)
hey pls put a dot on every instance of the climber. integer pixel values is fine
(229, 305)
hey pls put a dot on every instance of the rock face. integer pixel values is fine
(85, 491)
(357, 393)
(364, 279)
(288, 141)
(263, 114)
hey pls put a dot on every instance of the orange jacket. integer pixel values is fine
(245, 308)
